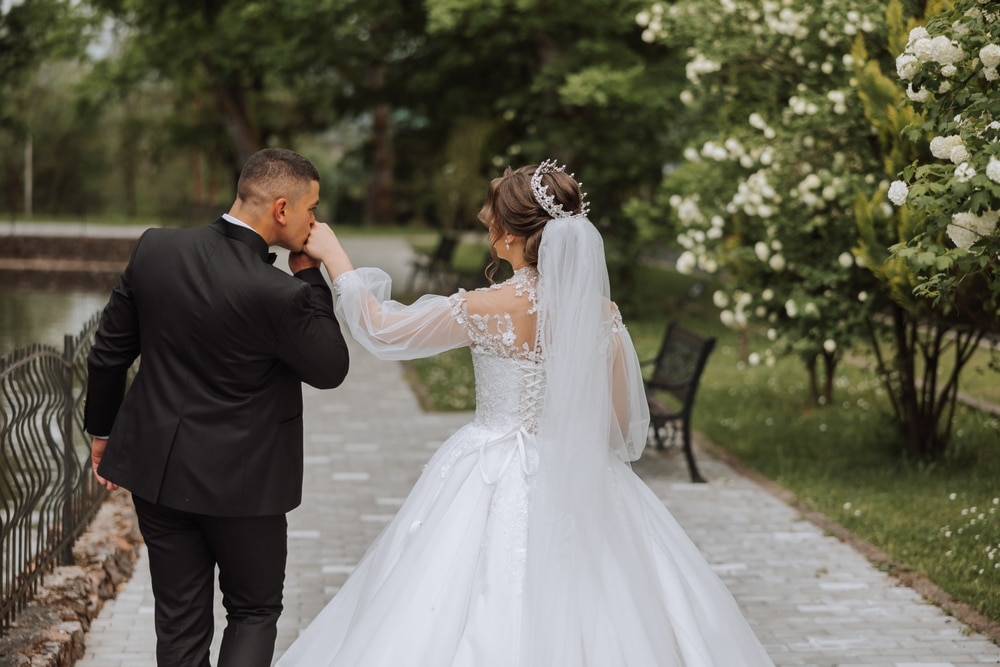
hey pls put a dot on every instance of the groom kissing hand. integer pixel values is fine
(208, 438)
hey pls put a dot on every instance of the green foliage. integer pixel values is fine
(567, 81)
(951, 68)
(448, 380)
(39, 42)
(31, 33)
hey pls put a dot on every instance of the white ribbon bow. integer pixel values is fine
(519, 440)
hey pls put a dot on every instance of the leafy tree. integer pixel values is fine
(31, 33)
(272, 72)
(565, 80)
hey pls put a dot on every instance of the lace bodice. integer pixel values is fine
(509, 392)
(510, 381)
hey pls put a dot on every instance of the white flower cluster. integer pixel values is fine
(687, 209)
(964, 172)
(652, 21)
(947, 54)
(989, 55)
(699, 65)
(783, 20)
(802, 107)
(808, 310)
(839, 100)
(922, 48)
(950, 148)
(814, 193)
(732, 149)
(967, 228)
(698, 231)
(769, 252)
(718, 152)
(755, 196)
(737, 317)
(898, 192)
(993, 170)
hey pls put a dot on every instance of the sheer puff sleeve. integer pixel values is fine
(391, 330)
(627, 394)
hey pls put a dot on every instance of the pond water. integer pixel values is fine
(44, 316)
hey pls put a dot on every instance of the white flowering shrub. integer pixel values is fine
(767, 190)
(790, 188)
(950, 68)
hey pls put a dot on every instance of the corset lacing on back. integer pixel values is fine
(510, 380)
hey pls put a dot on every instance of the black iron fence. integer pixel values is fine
(47, 492)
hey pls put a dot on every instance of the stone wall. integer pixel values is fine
(50, 631)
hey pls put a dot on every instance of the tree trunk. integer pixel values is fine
(230, 102)
(924, 406)
(811, 367)
(830, 369)
(380, 207)
(129, 161)
(29, 175)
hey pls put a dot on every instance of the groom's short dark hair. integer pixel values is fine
(275, 172)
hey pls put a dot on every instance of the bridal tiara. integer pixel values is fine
(547, 201)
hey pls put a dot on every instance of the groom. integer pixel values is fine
(209, 437)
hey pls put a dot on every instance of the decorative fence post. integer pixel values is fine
(69, 456)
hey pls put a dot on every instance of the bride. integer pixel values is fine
(527, 541)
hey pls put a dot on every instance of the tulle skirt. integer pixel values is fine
(445, 583)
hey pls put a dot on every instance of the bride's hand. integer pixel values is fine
(324, 245)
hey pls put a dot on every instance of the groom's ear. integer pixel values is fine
(279, 210)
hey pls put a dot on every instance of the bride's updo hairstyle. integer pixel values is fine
(511, 207)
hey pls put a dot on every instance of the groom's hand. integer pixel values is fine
(299, 261)
(97, 446)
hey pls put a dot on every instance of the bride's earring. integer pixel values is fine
(506, 243)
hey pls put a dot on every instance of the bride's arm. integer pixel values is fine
(386, 328)
(628, 396)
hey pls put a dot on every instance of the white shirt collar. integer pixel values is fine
(240, 223)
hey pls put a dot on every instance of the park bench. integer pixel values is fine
(671, 389)
(433, 271)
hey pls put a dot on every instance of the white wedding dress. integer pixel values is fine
(456, 579)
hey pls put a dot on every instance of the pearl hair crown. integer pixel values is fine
(547, 201)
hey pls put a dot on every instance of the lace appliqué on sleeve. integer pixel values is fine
(345, 281)
(617, 325)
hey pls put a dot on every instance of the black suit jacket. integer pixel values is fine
(212, 423)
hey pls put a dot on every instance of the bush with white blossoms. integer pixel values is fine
(769, 200)
(786, 188)
(951, 68)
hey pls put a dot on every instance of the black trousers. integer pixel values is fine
(184, 550)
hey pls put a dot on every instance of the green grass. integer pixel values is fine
(845, 460)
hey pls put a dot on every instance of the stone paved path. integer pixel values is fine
(812, 599)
